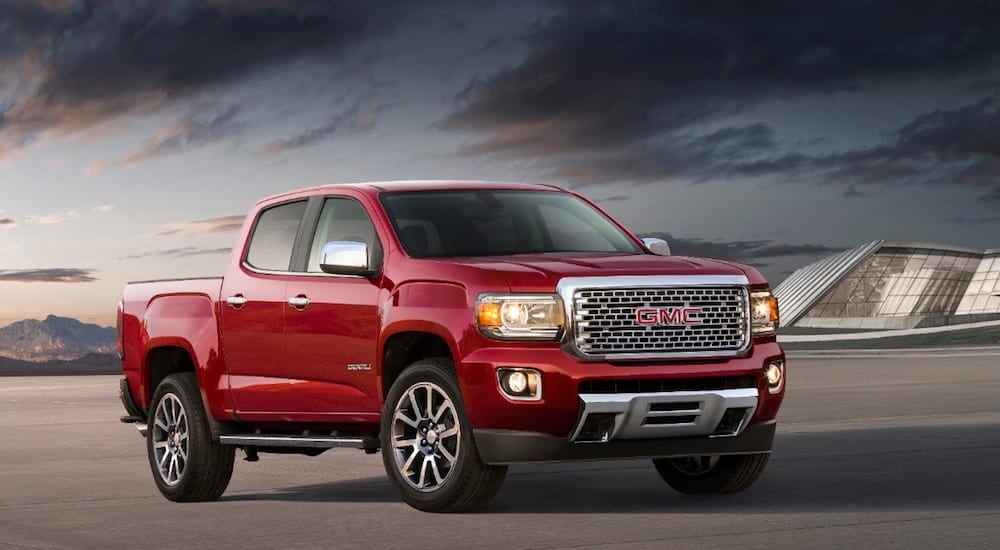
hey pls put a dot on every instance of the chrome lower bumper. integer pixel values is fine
(717, 413)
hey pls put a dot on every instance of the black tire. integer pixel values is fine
(704, 475)
(467, 482)
(205, 473)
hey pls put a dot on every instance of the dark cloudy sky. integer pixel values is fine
(134, 138)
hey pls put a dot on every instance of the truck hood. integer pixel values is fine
(541, 272)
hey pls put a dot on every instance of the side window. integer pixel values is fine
(274, 236)
(344, 219)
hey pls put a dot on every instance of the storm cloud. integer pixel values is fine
(641, 91)
(750, 251)
(183, 252)
(71, 65)
(49, 275)
(355, 119)
(193, 131)
(221, 224)
(945, 147)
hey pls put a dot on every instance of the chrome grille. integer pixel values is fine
(606, 325)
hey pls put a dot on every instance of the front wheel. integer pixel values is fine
(188, 466)
(710, 475)
(427, 445)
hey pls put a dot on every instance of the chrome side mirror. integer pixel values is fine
(345, 258)
(656, 246)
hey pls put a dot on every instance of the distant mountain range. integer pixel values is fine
(54, 339)
(92, 363)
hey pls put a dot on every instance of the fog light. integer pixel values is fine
(517, 382)
(520, 384)
(775, 375)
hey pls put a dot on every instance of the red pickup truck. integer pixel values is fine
(458, 327)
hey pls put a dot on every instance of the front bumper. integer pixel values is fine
(683, 388)
(509, 446)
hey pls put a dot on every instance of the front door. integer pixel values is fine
(331, 334)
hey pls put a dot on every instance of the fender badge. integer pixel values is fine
(358, 366)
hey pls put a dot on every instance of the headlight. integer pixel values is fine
(520, 316)
(763, 313)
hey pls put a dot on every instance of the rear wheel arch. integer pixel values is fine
(161, 362)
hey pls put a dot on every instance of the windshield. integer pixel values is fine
(435, 224)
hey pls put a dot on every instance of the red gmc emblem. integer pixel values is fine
(667, 316)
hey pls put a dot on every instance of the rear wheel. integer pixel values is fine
(708, 475)
(427, 445)
(187, 465)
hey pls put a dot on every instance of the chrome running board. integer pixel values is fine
(311, 441)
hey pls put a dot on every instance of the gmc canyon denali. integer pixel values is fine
(458, 327)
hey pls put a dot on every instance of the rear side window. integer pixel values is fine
(274, 236)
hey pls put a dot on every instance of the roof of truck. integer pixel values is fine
(422, 185)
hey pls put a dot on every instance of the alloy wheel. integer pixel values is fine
(426, 436)
(170, 439)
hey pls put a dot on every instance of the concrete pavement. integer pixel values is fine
(872, 452)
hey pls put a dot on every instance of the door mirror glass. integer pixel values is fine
(656, 246)
(345, 258)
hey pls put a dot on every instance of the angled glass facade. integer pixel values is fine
(983, 294)
(894, 285)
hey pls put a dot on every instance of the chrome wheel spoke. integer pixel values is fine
(409, 462)
(438, 479)
(423, 474)
(430, 403)
(402, 443)
(446, 454)
(452, 431)
(441, 410)
(401, 416)
(413, 404)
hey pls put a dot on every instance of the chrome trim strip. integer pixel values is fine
(253, 269)
(632, 409)
(568, 286)
(317, 442)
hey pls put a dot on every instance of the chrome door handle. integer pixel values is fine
(236, 302)
(299, 302)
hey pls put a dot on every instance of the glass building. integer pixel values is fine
(888, 285)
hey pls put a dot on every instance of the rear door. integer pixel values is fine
(331, 335)
(254, 304)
